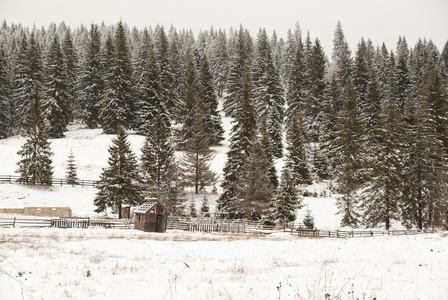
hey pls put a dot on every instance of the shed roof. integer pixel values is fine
(147, 206)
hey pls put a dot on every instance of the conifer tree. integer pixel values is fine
(91, 79)
(268, 93)
(297, 91)
(157, 160)
(239, 60)
(193, 211)
(314, 104)
(219, 62)
(402, 73)
(71, 66)
(168, 88)
(35, 164)
(205, 207)
(117, 106)
(147, 81)
(119, 181)
(243, 132)
(196, 160)
(341, 56)
(71, 174)
(348, 152)
(296, 160)
(308, 221)
(265, 141)
(56, 103)
(381, 198)
(286, 200)
(253, 185)
(5, 120)
(212, 119)
(22, 86)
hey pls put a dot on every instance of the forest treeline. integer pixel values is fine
(371, 119)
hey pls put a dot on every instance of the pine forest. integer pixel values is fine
(371, 120)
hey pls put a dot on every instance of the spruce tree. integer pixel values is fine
(119, 181)
(219, 62)
(286, 200)
(71, 66)
(117, 106)
(308, 221)
(168, 88)
(22, 86)
(147, 81)
(243, 132)
(5, 118)
(56, 101)
(157, 160)
(296, 160)
(196, 160)
(382, 196)
(213, 122)
(239, 60)
(265, 141)
(349, 151)
(205, 207)
(253, 185)
(71, 174)
(268, 93)
(35, 164)
(297, 92)
(91, 80)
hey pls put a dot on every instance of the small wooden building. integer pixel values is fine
(151, 217)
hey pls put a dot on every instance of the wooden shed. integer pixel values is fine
(151, 217)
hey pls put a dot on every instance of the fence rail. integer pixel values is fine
(54, 181)
(354, 233)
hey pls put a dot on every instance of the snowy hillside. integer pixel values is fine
(90, 148)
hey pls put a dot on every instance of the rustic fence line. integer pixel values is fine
(64, 223)
(200, 227)
(354, 233)
(54, 181)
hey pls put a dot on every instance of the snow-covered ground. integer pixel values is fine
(124, 264)
(129, 264)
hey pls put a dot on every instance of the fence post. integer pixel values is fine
(14, 223)
(337, 232)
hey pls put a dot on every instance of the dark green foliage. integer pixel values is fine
(71, 174)
(196, 160)
(193, 211)
(243, 132)
(308, 221)
(117, 106)
(148, 89)
(56, 101)
(35, 164)
(239, 61)
(253, 186)
(297, 92)
(286, 200)
(296, 160)
(119, 181)
(268, 93)
(71, 65)
(205, 208)
(212, 119)
(157, 160)
(382, 196)
(5, 94)
(265, 141)
(348, 151)
(91, 83)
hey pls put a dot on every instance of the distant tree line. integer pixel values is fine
(374, 121)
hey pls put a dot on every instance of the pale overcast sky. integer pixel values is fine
(379, 20)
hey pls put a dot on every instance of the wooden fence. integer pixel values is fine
(54, 181)
(65, 223)
(354, 233)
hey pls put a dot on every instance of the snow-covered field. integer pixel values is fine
(128, 264)
(124, 264)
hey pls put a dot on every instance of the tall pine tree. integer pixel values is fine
(35, 164)
(119, 182)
